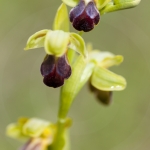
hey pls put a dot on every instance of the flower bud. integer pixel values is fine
(84, 16)
(55, 70)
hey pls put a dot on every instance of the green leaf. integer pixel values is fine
(34, 127)
(106, 80)
(71, 3)
(56, 42)
(119, 5)
(36, 40)
(61, 21)
(77, 43)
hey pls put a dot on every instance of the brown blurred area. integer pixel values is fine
(124, 125)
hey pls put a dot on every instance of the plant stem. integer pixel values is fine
(80, 75)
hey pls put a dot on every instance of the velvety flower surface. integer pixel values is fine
(55, 70)
(84, 16)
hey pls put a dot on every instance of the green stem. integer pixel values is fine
(81, 72)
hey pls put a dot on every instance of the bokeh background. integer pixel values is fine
(125, 125)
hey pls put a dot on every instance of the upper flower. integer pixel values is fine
(55, 67)
(86, 13)
(84, 16)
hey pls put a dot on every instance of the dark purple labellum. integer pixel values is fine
(55, 70)
(104, 97)
(84, 17)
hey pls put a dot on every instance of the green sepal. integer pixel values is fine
(106, 80)
(119, 5)
(36, 40)
(71, 3)
(105, 59)
(56, 42)
(77, 43)
(61, 21)
(34, 127)
(111, 61)
(14, 130)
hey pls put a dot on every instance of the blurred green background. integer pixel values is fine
(125, 125)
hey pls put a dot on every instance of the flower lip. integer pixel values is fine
(84, 17)
(55, 70)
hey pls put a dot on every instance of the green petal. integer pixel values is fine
(99, 56)
(106, 80)
(101, 3)
(34, 127)
(56, 42)
(105, 59)
(119, 4)
(62, 19)
(36, 40)
(71, 3)
(77, 43)
(111, 61)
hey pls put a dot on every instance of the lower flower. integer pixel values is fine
(55, 70)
